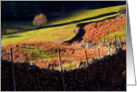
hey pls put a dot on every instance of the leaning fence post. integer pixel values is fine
(61, 69)
(100, 61)
(88, 69)
(13, 78)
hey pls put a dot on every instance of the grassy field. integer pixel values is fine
(38, 53)
(57, 34)
(80, 14)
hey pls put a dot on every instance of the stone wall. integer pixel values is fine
(31, 78)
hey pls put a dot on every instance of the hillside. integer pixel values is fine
(80, 14)
(36, 47)
(44, 54)
(74, 46)
(107, 29)
(59, 33)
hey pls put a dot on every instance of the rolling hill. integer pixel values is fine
(62, 28)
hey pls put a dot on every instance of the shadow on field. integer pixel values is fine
(62, 24)
(12, 36)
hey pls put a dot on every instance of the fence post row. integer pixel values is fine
(13, 77)
(88, 69)
(61, 69)
(100, 61)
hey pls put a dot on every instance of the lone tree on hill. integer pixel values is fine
(40, 20)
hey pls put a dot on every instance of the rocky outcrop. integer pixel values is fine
(121, 16)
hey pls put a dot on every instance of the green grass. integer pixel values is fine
(38, 53)
(61, 33)
(121, 33)
(82, 14)
(55, 34)
(68, 66)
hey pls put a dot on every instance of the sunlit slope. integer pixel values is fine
(60, 33)
(86, 13)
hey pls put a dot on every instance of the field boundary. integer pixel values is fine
(57, 25)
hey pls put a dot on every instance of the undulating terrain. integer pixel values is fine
(102, 31)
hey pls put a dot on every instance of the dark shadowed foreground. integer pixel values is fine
(31, 78)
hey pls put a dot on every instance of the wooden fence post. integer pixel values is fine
(115, 43)
(27, 58)
(61, 69)
(100, 61)
(120, 42)
(13, 77)
(104, 41)
(88, 69)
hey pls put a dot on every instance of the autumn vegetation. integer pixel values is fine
(40, 20)
(54, 34)
(35, 53)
